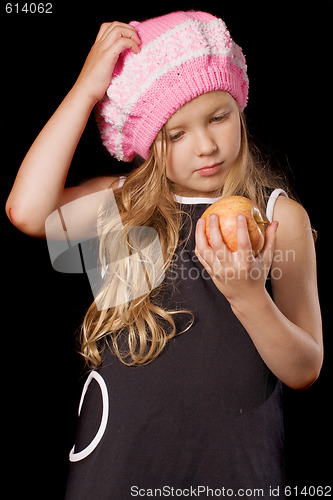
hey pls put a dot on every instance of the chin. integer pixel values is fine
(210, 188)
(204, 187)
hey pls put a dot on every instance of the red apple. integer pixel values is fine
(227, 210)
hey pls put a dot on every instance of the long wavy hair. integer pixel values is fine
(138, 329)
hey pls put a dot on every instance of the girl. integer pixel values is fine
(184, 393)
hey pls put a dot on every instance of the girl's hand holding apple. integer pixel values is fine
(239, 275)
(227, 210)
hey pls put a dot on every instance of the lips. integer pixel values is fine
(209, 169)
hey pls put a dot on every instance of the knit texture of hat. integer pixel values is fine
(183, 55)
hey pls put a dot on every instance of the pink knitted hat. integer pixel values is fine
(183, 55)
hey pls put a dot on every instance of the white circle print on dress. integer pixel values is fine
(76, 457)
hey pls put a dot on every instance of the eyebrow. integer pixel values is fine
(220, 108)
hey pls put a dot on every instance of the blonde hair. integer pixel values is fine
(137, 330)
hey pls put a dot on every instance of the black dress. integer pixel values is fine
(205, 417)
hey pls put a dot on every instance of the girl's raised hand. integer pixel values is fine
(96, 73)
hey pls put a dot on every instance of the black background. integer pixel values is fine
(288, 48)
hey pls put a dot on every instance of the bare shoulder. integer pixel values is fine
(292, 218)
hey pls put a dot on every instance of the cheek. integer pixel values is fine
(170, 170)
(175, 167)
(173, 173)
(234, 140)
(237, 145)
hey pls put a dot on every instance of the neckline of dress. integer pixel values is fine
(188, 200)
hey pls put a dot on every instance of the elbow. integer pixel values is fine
(21, 220)
(16, 216)
(306, 377)
(304, 382)
(13, 215)
(314, 374)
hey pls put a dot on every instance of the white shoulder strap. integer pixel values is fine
(121, 182)
(271, 202)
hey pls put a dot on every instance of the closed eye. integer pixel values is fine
(219, 118)
(175, 137)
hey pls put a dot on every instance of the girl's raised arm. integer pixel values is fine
(39, 187)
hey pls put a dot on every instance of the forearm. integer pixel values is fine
(290, 352)
(40, 181)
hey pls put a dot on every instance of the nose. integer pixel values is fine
(205, 144)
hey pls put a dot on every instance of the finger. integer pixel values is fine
(124, 43)
(243, 237)
(200, 235)
(215, 235)
(202, 249)
(102, 30)
(117, 30)
(216, 240)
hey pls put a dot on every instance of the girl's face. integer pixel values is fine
(204, 139)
